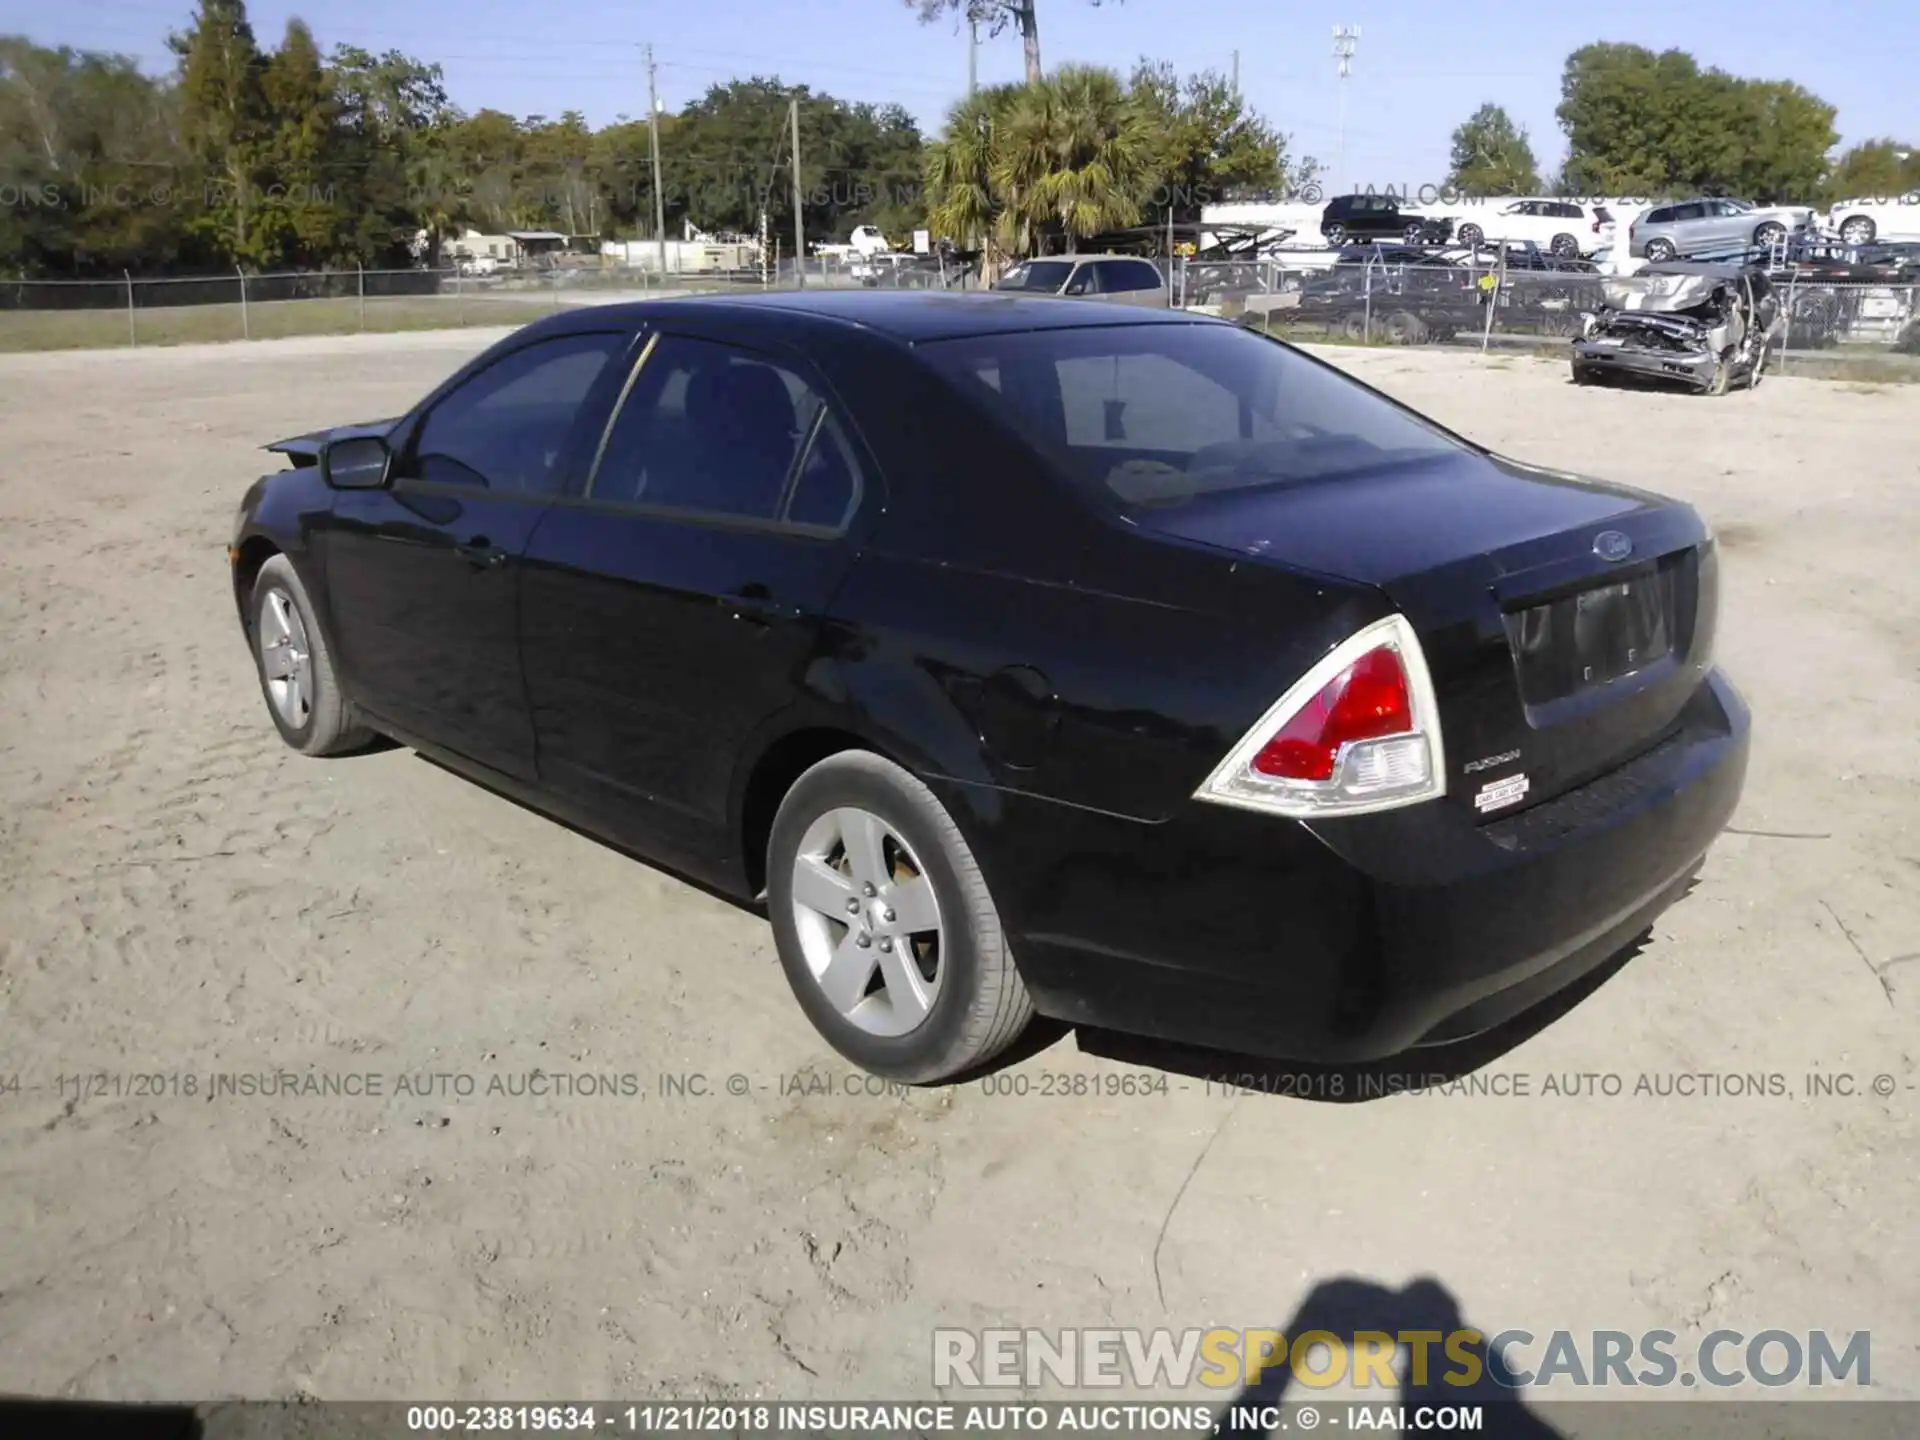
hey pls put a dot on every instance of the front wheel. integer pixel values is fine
(295, 665)
(1660, 251)
(1566, 247)
(884, 925)
(1858, 231)
(1335, 235)
(1471, 236)
(1770, 234)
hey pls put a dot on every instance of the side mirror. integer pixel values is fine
(356, 462)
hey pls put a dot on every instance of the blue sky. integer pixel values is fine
(1421, 68)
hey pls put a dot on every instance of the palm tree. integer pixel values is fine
(963, 201)
(1070, 156)
(1077, 159)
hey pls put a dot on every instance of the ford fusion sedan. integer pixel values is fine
(1024, 655)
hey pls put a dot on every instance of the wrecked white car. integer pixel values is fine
(1707, 326)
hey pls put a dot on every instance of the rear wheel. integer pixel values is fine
(1335, 234)
(884, 925)
(1405, 328)
(1659, 251)
(1353, 326)
(296, 667)
(1567, 247)
(1858, 231)
(1471, 236)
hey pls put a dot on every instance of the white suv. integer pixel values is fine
(1564, 228)
(1882, 217)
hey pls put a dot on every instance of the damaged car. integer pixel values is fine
(1706, 326)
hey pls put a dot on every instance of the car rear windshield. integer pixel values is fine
(1046, 275)
(1144, 415)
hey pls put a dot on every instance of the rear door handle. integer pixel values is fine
(482, 553)
(756, 605)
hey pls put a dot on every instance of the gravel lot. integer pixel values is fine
(180, 897)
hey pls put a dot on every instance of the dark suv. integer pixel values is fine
(1379, 217)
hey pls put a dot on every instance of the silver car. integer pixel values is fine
(1713, 227)
(1118, 279)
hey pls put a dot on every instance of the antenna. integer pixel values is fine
(1346, 40)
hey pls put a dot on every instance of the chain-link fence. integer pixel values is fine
(79, 314)
(1824, 327)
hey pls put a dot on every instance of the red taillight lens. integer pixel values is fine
(1369, 700)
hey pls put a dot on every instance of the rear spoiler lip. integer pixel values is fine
(305, 449)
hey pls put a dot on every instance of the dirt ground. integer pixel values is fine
(182, 899)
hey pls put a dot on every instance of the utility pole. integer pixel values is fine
(973, 52)
(1346, 40)
(799, 219)
(1236, 72)
(659, 190)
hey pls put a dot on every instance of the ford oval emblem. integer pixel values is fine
(1612, 545)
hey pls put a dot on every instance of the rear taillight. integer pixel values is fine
(1358, 732)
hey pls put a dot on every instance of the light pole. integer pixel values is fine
(1346, 40)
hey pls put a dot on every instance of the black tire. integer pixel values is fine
(1582, 374)
(981, 1004)
(1660, 251)
(1566, 247)
(1405, 328)
(1471, 236)
(1353, 325)
(1769, 234)
(327, 725)
(1858, 230)
(1335, 235)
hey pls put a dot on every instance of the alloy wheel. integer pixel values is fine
(868, 921)
(286, 659)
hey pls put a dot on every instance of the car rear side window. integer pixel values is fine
(716, 429)
(1161, 414)
(504, 428)
(1120, 276)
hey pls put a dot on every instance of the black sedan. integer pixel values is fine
(1024, 655)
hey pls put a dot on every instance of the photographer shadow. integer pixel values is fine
(1348, 1307)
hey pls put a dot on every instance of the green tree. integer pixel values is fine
(963, 199)
(1640, 123)
(304, 146)
(1492, 156)
(1077, 159)
(224, 125)
(1875, 167)
(1208, 144)
(394, 115)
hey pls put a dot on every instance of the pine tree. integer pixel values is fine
(224, 124)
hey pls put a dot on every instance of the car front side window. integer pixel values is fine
(505, 428)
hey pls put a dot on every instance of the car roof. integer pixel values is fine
(1718, 270)
(912, 316)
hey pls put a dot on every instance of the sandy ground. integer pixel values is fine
(182, 898)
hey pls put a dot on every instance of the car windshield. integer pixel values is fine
(1151, 415)
(1046, 275)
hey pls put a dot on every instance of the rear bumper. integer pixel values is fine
(1361, 938)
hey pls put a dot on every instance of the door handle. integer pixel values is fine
(482, 553)
(755, 605)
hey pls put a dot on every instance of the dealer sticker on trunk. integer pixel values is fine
(1500, 792)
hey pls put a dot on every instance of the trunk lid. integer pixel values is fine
(1556, 654)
